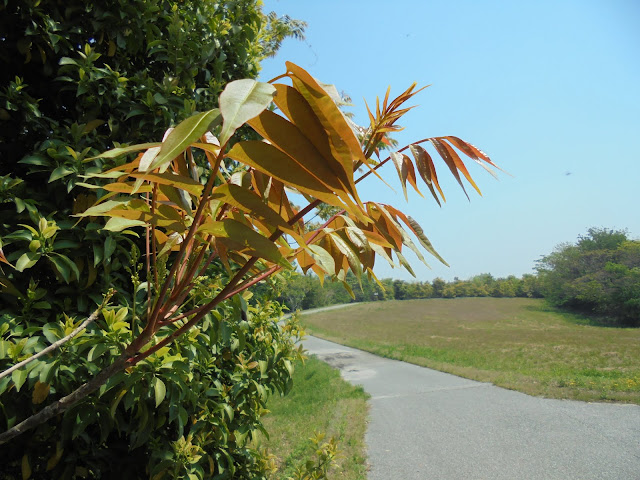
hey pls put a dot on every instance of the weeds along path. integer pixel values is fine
(428, 424)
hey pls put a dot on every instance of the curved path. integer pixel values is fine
(426, 424)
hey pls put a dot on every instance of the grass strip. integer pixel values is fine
(516, 343)
(319, 402)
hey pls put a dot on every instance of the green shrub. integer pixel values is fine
(77, 78)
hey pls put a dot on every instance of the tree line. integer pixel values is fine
(306, 291)
(599, 275)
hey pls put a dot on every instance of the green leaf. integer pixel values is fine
(117, 224)
(241, 101)
(62, 267)
(59, 244)
(182, 136)
(160, 99)
(109, 247)
(116, 152)
(160, 391)
(27, 260)
(67, 61)
(51, 332)
(19, 377)
(60, 172)
(35, 160)
(104, 207)
(96, 351)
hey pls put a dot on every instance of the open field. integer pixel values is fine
(320, 402)
(515, 343)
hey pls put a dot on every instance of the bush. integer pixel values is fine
(599, 274)
(77, 78)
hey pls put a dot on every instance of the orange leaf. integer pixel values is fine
(287, 137)
(427, 170)
(344, 144)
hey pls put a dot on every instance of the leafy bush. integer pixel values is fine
(188, 411)
(599, 274)
(77, 78)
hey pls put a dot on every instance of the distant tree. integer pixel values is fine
(602, 239)
(400, 290)
(599, 274)
(506, 287)
(530, 286)
(438, 285)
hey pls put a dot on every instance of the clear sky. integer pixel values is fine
(549, 89)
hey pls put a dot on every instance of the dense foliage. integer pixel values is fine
(78, 78)
(599, 274)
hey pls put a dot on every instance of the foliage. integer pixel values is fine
(79, 77)
(76, 79)
(186, 410)
(599, 274)
(213, 212)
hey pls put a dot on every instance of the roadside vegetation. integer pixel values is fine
(322, 411)
(516, 343)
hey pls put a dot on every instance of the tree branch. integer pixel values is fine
(64, 403)
(62, 341)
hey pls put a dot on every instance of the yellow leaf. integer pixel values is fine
(244, 239)
(26, 468)
(40, 393)
(55, 458)
(287, 137)
(251, 203)
(178, 181)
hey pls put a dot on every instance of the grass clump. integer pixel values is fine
(515, 343)
(320, 407)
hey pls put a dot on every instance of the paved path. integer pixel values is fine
(426, 424)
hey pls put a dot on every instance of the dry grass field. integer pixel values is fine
(514, 343)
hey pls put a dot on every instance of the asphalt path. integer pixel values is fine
(426, 424)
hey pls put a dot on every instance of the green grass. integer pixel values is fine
(516, 343)
(320, 401)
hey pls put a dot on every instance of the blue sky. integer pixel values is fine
(549, 89)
